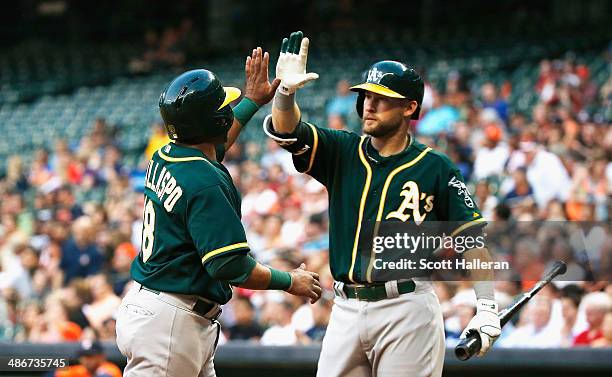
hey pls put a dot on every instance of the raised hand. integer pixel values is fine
(291, 65)
(258, 86)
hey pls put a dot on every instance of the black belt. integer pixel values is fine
(376, 292)
(201, 307)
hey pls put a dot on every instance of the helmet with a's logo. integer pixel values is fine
(195, 107)
(391, 79)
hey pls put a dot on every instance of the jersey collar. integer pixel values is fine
(181, 153)
(374, 157)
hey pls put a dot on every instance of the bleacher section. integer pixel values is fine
(34, 69)
(131, 102)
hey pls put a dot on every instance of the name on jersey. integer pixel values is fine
(411, 205)
(163, 184)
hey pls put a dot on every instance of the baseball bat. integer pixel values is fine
(469, 346)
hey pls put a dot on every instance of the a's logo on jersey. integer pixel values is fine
(303, 150)
(462, 190)
(411, 205)
(167, 148)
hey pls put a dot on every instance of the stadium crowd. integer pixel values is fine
(70, 221)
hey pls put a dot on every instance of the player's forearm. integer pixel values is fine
(233, 134)
(263, 277)
(482, 278)
(243, 112)
(285, 113)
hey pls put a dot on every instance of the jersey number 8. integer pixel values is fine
(148, 228)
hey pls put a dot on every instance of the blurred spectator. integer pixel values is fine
(92, 363)
(104, 303)
(527, 262)
(245, 326)
(595, 305)
(15, 175)
(535, 332)
(80, 255)
(440, 119)
(122, 261)
(606, 330)
(54, 326)
(275, 155)
(321, 311)
(316, 237)
(570, 314)
(336, 122)
(73, 299)
(158, 138)
(280, 333)
(521, 189)
(491, 100)
(546, 174)
(485, 201)
(492, 156)
(343, 104)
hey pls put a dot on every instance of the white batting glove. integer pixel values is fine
(485, 323)
(291, 65)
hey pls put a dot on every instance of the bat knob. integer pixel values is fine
(468, 347)
(560, 266)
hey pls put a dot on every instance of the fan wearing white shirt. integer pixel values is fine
(492, 156)
(538, 332)
(281, 333)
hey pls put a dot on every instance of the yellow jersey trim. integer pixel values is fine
(224, 249)
(383, 196)
(315, 146)
(362, 203)
(467, 225)
(390, 177)
(179, 159)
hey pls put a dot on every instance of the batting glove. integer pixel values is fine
(485, 323)
(291, 66)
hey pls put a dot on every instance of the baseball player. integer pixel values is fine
(194, 247)
(389, 328)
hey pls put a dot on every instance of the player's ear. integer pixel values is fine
(410, 108)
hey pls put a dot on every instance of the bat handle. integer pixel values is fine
(468, 347)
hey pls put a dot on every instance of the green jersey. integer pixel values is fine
(191, 216)
(418, 184)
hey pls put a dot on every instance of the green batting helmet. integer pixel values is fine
(391, 79)
(195, 107)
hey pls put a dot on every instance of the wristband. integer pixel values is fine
(484, 290)
(284, 102)
(280, 280)
(244, 111)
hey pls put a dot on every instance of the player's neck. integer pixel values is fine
(392, 144)
(207, 148)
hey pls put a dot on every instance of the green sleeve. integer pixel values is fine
(458, 207)
(213, 225)
(234, 268)
(316, 151)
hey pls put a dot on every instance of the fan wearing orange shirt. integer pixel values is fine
(92, 363)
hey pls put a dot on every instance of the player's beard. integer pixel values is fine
(382, 129)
